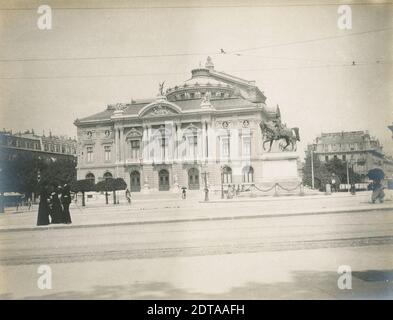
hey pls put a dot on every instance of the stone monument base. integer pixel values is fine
(280, 167)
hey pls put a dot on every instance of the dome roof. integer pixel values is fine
(205, 81)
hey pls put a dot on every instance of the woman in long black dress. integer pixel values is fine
(57, 210)
(43, 208)
(66, 201)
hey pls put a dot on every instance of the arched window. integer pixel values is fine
(163, 180)
(248, 174)
(91, 177)
(193, 179)
(227, 175)
(108, 175)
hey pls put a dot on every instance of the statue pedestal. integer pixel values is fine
(280, 167)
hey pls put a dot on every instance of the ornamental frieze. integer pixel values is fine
(159, 110)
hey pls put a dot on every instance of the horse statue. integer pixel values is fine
(276, 131)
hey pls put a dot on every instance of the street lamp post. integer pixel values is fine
(1, 195)
(222, 183)
(349, 188)
(312, 169)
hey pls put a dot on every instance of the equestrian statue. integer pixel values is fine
(275, 130)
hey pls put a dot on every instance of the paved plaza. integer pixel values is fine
(169, 207)
(233, 249)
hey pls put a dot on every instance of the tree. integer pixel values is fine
(59, 172)
(116, 184)
(339, 168)
(321, 173)
(28, 171)
(83, 186)
(104, 186)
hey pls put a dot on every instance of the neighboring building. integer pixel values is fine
(210, 123)
(362, 151)
(53, 147)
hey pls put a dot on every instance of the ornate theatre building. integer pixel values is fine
(206, 128)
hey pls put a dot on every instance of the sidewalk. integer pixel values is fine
(176, 210)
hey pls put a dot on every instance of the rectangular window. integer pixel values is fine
(107, 152)
(326, 158)
(163, 145)
(192, 146)
(89, 151)
(135, 147)
(225, 147)
(344, 157)
(246, 146)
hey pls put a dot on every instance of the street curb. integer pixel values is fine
(146, 222)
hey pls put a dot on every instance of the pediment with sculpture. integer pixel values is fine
(158, 109)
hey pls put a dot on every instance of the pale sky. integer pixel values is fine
(314, 83)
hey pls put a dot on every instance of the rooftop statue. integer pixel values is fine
(161, 88)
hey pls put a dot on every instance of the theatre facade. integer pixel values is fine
(206, 128)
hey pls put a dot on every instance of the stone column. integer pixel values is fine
(122, 145)
(116, 145)
(179, 138)
(144, 143)
(203, 141)
(210, 141)
(150, 141)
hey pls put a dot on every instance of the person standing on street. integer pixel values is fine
(57, 210)
(183, 193)
(66, 201)
(43, 208)
(378, 193)
(128, 196)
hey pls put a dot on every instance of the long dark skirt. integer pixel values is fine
(57, 211)
(43, 213)
(66, 213)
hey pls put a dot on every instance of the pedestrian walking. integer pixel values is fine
(43, 208)
(29, 204)
(378, 193)
(66, 201)
(128, 196)
(183, 193)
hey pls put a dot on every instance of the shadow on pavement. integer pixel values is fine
(369, 284)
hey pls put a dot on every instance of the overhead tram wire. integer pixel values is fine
(347, 65)
(285, 44)
(215, 53)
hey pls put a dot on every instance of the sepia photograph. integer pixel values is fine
(202, 150)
